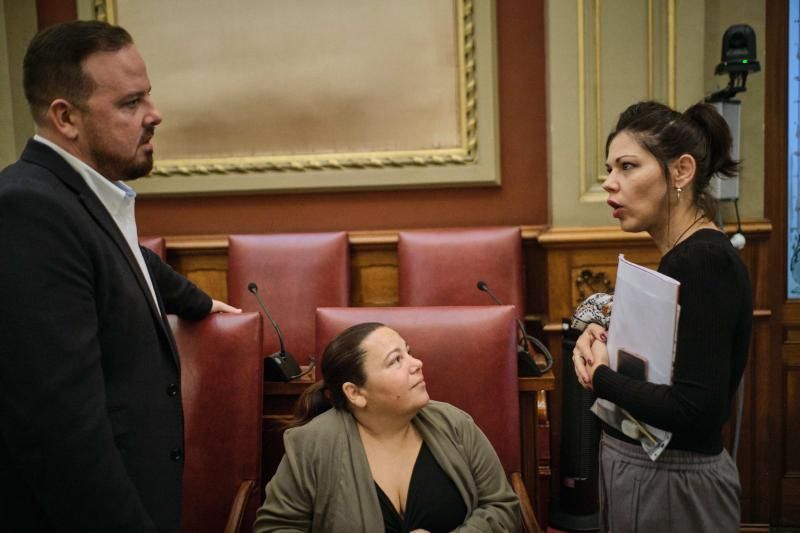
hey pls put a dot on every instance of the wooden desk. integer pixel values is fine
(279, 399)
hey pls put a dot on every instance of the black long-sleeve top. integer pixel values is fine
(713, 338)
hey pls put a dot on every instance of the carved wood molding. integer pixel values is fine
(546, 236)
(553, 237)
(589, 282)
(358, 238)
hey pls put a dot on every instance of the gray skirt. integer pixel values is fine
(682, 491)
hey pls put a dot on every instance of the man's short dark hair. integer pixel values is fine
(53, 63)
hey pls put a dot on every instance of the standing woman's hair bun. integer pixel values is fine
(717, 134)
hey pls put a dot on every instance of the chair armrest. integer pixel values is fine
(528, 518)
(239, 505)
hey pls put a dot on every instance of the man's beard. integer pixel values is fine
(113, 167)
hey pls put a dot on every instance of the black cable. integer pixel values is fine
(548, 357)
(738, 220)
(306, 371)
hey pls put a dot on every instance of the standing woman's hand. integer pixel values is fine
(599, 357)
(584, 357)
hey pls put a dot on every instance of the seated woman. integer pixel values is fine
(386, 457)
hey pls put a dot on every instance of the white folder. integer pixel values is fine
(644, 322)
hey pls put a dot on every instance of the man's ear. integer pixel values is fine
(354, 395)
(64, 118)
(683, 171)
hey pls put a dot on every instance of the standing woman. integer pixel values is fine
(659, 164)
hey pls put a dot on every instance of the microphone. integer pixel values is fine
(526, 365)
(279, 366)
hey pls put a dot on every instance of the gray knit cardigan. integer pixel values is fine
(324, 484)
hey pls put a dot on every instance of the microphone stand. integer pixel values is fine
(279, 365)
(524, 346)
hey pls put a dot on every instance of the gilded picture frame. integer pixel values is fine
(270, 96)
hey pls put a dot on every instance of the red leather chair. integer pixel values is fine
(295, 274)
(443, 266)
(157, 244)
(470, 360)
(221, 381)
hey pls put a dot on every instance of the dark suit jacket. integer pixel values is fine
(90, 404)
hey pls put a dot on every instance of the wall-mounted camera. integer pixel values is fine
(738, 60)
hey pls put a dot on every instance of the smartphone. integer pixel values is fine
(631, 365)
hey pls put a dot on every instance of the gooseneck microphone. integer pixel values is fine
(279, 366)
(485, 288)
(252, 287)
(527, 366)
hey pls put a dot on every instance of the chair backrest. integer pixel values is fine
(295, 273)
(222, 376)
(443, 266)
(469, 356)
(157, 244)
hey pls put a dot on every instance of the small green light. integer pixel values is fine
(745, 61)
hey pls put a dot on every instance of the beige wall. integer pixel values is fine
(575, 200)
(17, 24)
(631, 52)
(6, 114)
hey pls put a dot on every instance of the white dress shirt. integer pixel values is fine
(116, 197)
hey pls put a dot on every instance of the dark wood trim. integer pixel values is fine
(531, 234)
(50, 12)
(775, 190)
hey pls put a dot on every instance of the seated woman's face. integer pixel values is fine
(395, 384)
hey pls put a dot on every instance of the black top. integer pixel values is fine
(433, 501)
(713, 337)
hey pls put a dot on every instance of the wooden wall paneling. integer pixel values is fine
(50, 12)
(789, 387)
(755, 441)
(557, 276)
(544, 454)
(534, 261)
(782, 510)
(790, 483)
(279, 400)
(203, 260)
(373, 269)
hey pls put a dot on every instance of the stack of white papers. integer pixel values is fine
(644, 322)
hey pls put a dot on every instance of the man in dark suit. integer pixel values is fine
(91, 424)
